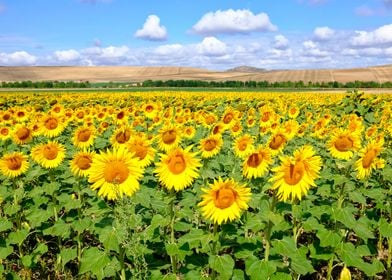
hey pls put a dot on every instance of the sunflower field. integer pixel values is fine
(195, 185)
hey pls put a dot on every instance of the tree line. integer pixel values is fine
(197, 84)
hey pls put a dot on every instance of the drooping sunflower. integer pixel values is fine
(343, 144)
(369, 160)
(115, 173)
(49, 155)
(224, 201)
(178, 169)
(243, 145)
(211, 145)
(14, 164)
(296, 174)
(257, 163)
(22, 134)
(84, 137)
(141, 147)
(169, 137)
(277, 142)
(51, 126)
(121, 136)
(81, 163)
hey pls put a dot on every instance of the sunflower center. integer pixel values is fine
(294, 173)
(23, 133)
(120, 115)
(224, 197)
(140, 151)
(227, 118)
(50, 152)
(83, 162)
(14, 163)
(236, 128)
(293, 111)
(254, 160)
(149, 108)
(169, 137)
(51, 123)
(344, 143)
(242, 145)
(57, 109)
(20, 114)
(210, 120)
(4, 131)
(123, 136)
(116, 172)
(177, 164)
(266, 116)
(84, 135)
(210, 144)
(368, 158)
(277, 141)
(6, 117)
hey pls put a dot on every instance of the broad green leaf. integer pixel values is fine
(193, 238)
(281, 276)
(238, 275)
(223, 264)
(17, 237)
(60, 228)
(5, 224)
(261, 269)
(109, 240)
(312, 224)
(67, 254)
(37, 216)
(328, 238)
(349, 255)
(284, 247)
(301, 264)
(362, 228)
(385, 228)
(94, 260)
(5, 251)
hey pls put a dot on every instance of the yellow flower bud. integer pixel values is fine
(345, 274)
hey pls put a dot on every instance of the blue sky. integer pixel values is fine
(284, 34)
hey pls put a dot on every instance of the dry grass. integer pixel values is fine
(139, 73)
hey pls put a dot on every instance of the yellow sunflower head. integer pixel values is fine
(14, 164)
(296, 174)
(257, 163)
(81, 163)
(343, 144)
(51, 126)
(22, 134)
(115, 173)
(211, 145)
(224, 201)
(140, 146)
(178, 169)
(243, 145)
(369, 160)
(49, 155)
(5, 133)
(277, 142)
(189, 131)
(169, 137)
(84, 137)
(121, 136)
(236, 129)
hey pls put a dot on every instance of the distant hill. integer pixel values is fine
(94, 74)
(246, 69)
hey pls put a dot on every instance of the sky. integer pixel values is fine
(215, 34)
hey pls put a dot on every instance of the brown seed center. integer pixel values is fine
(368, 158)
(14, 163)
(169, 137)
(50, 152)
(51, 123)
(210, 144)
(224, 197)
(83, 162)
(177, 164)
(344, 143)
(123, 136)
(228, 118)
(294, 173)
(84, 134)
(277, 141)
(254, 160)
(116, 172)
(140, 150)
(23, 133)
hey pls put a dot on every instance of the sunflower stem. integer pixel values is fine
(267, 236)
(215, 237)
(389, 269)
(173, 258)
(330, 267)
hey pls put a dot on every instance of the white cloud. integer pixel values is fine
(323, 33)
(152, 30)
(281, 42)
(311, 50)
(211, 46)
(19, 58)
(233, 21)
(67, 55)
(309, 44)
(173, 49)
(108, 52)
(380, 36)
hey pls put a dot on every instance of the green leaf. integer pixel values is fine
(93, 260)
(238, 275)
(284, 247)
(261, 268)
(5, 224)
(37, 216)
(301, 264)
(349, 255)
(328, 238)
(17, 237)
(385, 228)
(346, 217)
(11, 209)
(193, 238)
(51, 188)
(5, 252)
(67, 254)
(357, 197)
(281, 276)
(60, 228)
(312, 224)
(361, 228)
(223, 264)
(109, 240)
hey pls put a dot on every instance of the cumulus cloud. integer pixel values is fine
(380, 36)
(67, 55)
(18, 58)
(323, 33)
(152, 30)
(211, 46)
(232, 22)
(173, 49)
(311, 49)
(281, 42)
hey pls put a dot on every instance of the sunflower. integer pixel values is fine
(209, 120)
(49, 155)
(84, 137)
(256, 164)
(14, 164)
(115, 173)
(296, 174)
(121, 136)
(236, 129)
(178, 169)
(150, 109)
(369, 159)
(51, 126)
(277, 142)
(224, 201)
(211, 145)
(22, 134)
(189, 131)
(81, 163)
(140, 146)
(243, 145)
(169, 137)
(5, 133)
(290, 128)
(21, 115)
(229, 117)
(293, 112)
(343, 143)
